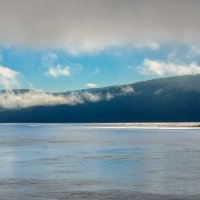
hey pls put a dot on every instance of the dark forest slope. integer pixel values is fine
(162, 100)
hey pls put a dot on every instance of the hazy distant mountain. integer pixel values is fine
(165, 99)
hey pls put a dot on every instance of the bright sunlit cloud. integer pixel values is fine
(91, 85)
(162, 68)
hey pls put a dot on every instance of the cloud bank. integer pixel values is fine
(92, 25)
(15, 100)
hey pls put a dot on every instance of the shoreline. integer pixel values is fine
(124, 125)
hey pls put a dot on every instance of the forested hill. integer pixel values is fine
(170, 99)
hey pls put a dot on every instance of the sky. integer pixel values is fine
(62, 45)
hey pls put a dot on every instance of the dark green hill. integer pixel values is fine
(172, 99)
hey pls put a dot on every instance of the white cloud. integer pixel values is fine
(59, 70)
(109, 96)
(91, 96)
(91, 85)
(127, 89)
(161, 68)
(8, 78)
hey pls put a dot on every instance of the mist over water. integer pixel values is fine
(77, 161)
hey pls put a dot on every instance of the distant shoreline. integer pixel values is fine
(138, 125)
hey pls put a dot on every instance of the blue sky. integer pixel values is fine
(113, 66)
(109, 67)
(71, 45)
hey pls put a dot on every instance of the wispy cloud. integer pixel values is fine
(161, 68)
(8, 78)
(193, 51)
(49, 59)
(95, 72)
(130, 67)
(172, 55)
(127, 89)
